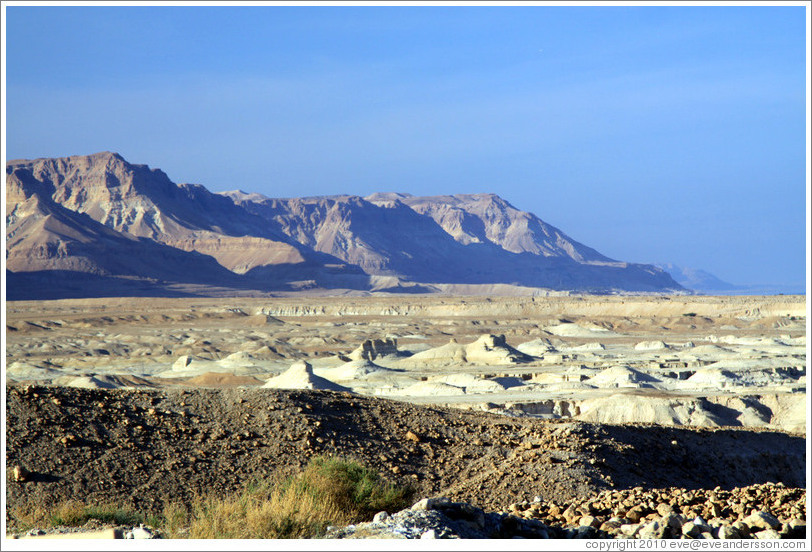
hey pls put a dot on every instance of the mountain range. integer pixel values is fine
(697, 279)
(704, 283)
(97, 225)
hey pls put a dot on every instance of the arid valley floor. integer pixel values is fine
(490, 401)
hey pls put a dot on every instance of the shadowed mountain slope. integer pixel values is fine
(469, 239)
(487, 218)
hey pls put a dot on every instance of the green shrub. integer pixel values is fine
(350, 485)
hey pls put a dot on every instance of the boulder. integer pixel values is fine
(19, 474)
(673, 522)
(728, 532)
(691, 530)
(652, 530)
(767, 534)
(630, 529)
(589, 521)
(762, 520)
(635, 514)
(664, 509)
(430, 503)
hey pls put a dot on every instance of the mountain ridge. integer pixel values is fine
(42, 235)
(697, 279)
(325, 242)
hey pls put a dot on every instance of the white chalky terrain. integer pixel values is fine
(708, 361)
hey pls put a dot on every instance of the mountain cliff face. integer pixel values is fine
(140, 202)
(487, 218)
(43, 237)
(100, 215)
(471, 239)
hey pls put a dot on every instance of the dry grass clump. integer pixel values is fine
(330, 491)
(262, 513)
(73, 513)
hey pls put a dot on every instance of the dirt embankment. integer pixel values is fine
(146, 447)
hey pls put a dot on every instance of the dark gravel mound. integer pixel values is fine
(142, 448)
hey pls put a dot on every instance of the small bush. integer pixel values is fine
(173, 520)
(254, 514)
(350, 485)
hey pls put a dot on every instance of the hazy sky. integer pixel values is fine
(653, 134)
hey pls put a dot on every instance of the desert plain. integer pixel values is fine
(700, 361)
(496, 401)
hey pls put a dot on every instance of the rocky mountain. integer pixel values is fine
(132, 224)
(45, 238)
(471, 239)
(143, 202)
(483, 218)
(101, 216)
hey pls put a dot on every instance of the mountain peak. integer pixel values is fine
(238, 195)
(106, 155)
(387, 196)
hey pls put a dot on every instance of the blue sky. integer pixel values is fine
(653, 134)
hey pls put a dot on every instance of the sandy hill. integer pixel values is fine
(300, 376)
(346, 242)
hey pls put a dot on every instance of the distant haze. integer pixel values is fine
(653, 134)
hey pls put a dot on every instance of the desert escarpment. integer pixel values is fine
(470, 239)
(97, 206)
(42, 236)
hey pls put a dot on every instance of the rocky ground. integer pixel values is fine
(143, 448)
(634, 517)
